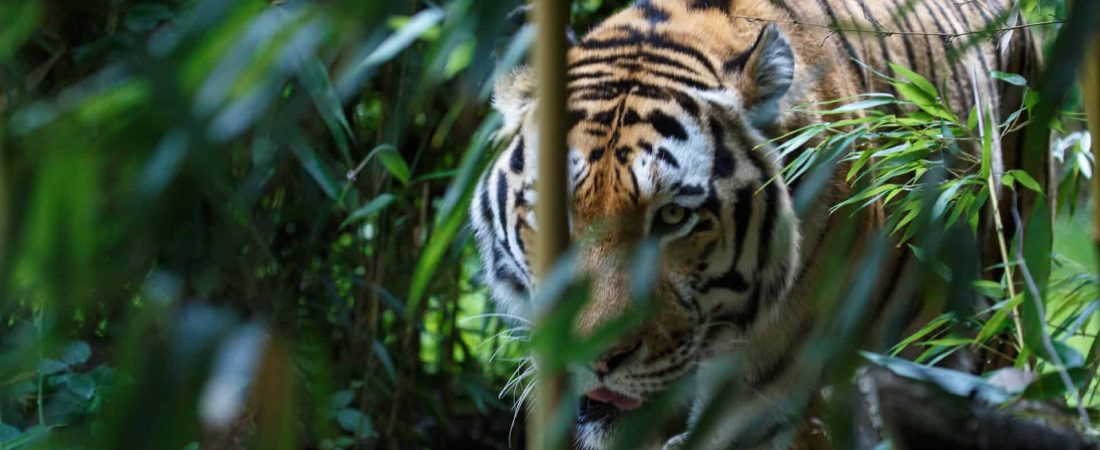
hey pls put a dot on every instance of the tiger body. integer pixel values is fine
(673, 103)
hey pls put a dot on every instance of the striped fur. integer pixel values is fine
(668, 100)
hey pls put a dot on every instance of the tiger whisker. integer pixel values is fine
(502, 315)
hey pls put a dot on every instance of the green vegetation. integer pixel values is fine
(241, 223)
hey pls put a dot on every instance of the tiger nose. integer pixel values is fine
(615, 357)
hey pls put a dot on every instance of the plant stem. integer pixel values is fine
(552, 20)
(1090, 93)
(41, 378)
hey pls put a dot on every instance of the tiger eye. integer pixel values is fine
(672, 215)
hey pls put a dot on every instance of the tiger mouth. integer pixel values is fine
(604, 405)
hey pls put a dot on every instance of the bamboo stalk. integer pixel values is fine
(551, 18)
(1090, 92)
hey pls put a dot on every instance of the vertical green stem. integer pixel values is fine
(41, 377)
(1090, 90)
(551, 17)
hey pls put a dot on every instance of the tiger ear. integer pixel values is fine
(514, 97)
(764, 75)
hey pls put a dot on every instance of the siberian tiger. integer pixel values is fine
(673, 104)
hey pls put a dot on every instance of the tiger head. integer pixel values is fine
(669, 104)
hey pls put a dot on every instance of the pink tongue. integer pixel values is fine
(620, 401)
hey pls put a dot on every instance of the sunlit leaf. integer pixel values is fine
(1009, 78)
(917, 80)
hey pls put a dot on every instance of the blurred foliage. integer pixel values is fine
(177, 173)
(228, 224)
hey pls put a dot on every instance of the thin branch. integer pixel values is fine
(1037, 299)
(885, 32)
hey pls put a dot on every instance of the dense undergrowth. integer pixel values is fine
(243, 223)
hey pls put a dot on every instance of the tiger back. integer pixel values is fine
(673, 108)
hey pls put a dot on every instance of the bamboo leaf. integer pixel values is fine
(1025, 179)
(1009, 78)
(373, 207)
(917, 79)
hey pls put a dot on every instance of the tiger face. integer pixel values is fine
(666, 144)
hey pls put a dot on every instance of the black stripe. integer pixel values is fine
(690, 189)
(574, 76)
(667, 126)
(912, 61)
(824, 4)
(927, 39)
(652, 13)
(952, 22)
(767, 227)
(516, 161)
(724, 163)
(710, 4)
(785, 7)
(486, 203)
(990, 23)
(622, 154)
(595, 154)
(742, 219)
(981, 54)
(664, 155)
(502, 203)
(634, 194)
(520, 223)
(649, 41)
(740, 132)
(691, 82)
(886, 59)
(948, 50)
(609, 90)
(686, 102)
(652, 60)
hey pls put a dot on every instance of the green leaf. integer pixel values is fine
(1051, 385)
(972, 118)
(51, 366)
(861, 105)
(1009, 78)
(17, 22)
(143, 18)
(1025, 179)
(452, 213)
(379, 350)
(917, 80)
(342, 398)
(8, 433)
(317, 169)
(955, 382)
(421, 23)
(925, 101)
(316, 80)
(355, 422)
(395, 165)
(366, 211)
(1070, 357)
(82, 385)
(1037, 245)
(76, 353)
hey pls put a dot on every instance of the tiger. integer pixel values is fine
(675, 108)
